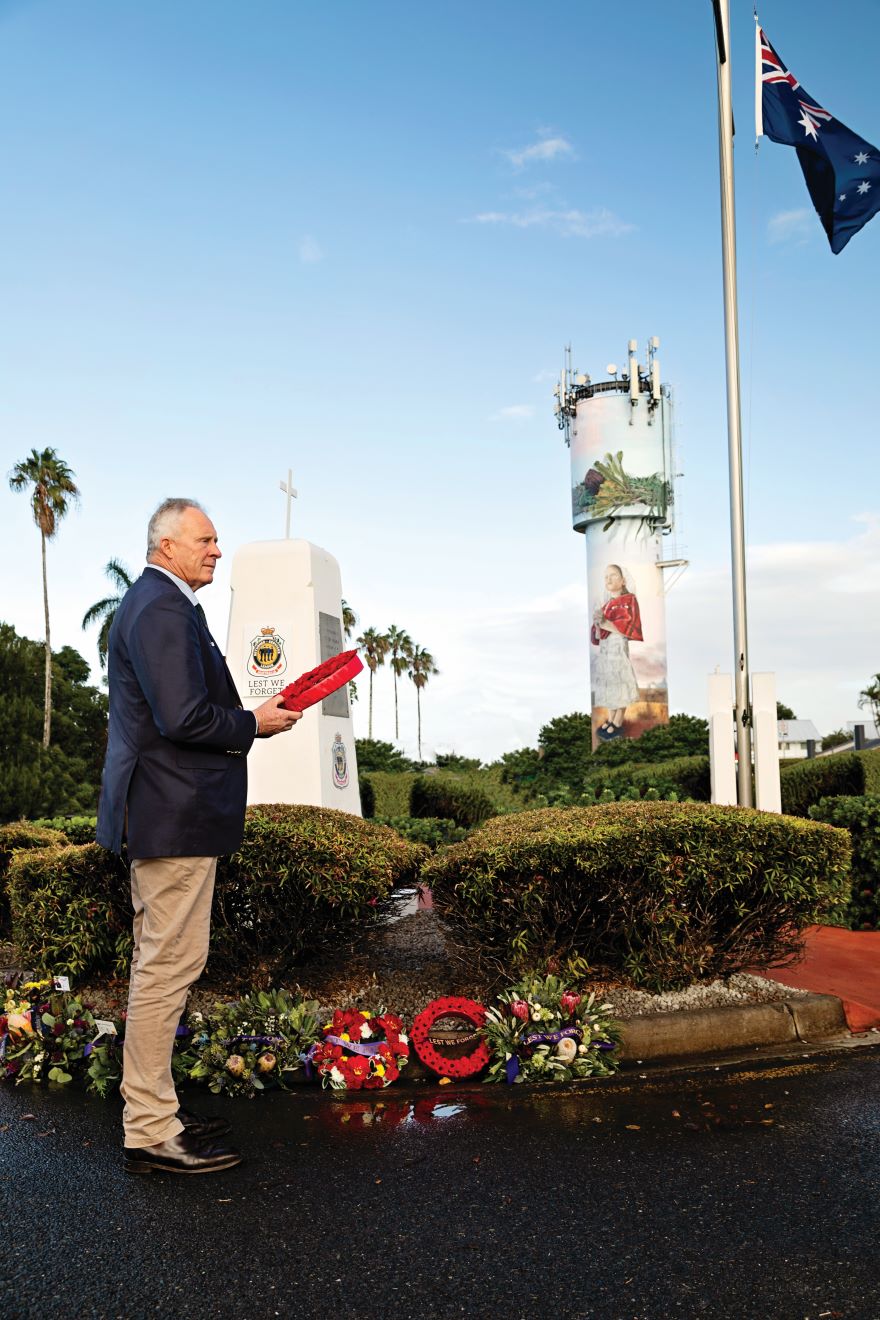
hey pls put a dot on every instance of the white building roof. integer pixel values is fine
(792, 731)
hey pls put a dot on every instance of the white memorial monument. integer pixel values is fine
(286, 618)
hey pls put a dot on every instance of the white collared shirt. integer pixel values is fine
(178, 582)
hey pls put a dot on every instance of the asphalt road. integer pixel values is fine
(752, 1194)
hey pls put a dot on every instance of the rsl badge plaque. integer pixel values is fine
(267, 656)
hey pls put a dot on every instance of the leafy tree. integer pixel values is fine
(870, 697)
(784, 712)
(684, 735)
(421, 667)
(372, 754)
(559, 764)
(53, 491)
(839, 738)
(400, 650)
(105, 609)
(564, 745)
(374, 646)
(453, 762)
(522, 769)
(62, 779)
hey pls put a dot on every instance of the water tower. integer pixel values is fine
(620, 435)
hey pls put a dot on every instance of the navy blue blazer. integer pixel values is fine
(178, 736)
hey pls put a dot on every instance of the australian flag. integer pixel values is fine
(842, 170)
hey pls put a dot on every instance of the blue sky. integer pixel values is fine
(354, 239)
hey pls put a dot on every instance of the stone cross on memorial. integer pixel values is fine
(287, 487)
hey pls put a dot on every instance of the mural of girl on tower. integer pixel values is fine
(616, 623)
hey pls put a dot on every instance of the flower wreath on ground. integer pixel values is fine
(542, 1030)
(45, 1036)
(254, 1043)
(360, 1049)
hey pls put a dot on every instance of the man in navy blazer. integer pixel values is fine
(174, 790)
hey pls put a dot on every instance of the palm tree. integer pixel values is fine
(349, 619)
(400, 649)
(53, 491)
(421, 667)
(105, 609)
(870, 697)
(375, 648)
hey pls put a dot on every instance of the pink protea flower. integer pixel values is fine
(235, 1065)
(266, 1062)
(520, 1009)
(570, 1001)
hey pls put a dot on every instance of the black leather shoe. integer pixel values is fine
(181, 1154)
(200, 1127)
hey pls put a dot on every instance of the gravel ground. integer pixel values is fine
(411, 961)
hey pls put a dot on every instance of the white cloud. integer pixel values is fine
(570, 223)
(791, 226)
(514, 412)
(309, 251)
(549, 148)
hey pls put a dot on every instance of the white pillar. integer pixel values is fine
(286, 618)
(768, 792)
(722, 751)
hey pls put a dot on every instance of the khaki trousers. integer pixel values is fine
(172, 924)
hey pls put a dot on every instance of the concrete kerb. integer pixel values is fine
(658, 1037)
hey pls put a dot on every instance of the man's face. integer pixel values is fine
(193, 552)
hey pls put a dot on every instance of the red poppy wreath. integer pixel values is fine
(429, 1042)
(318, 683)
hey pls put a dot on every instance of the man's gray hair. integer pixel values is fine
(166, 521)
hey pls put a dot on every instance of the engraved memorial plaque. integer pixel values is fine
(330, 638)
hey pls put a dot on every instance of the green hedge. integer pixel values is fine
(77, 829)
(442, 796)
(24, 834)
(686, 776)
(391, 790)
(368, 797)
(304, 879)
(843, 774)
(434, 832)
(861, 816)
(663, 893)
(71, 910)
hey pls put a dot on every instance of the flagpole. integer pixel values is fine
(734, 434)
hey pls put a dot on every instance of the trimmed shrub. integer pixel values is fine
(391, 790)
(368, 796)
(71, 910)
(861, 816)
(77, 829)
(304, 879)
(442, 796)
(22, 834)
(844, 774)
(662, 893)
(431, 830)
(686, 776)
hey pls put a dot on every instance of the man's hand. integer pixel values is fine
(272, 718)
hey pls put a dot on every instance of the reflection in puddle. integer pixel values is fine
(355, 1114)
(406, 902)
(447, 1111)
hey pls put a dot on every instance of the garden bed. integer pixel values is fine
(414, 960)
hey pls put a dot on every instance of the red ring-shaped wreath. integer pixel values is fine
(450, 1006)
(316, 684)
